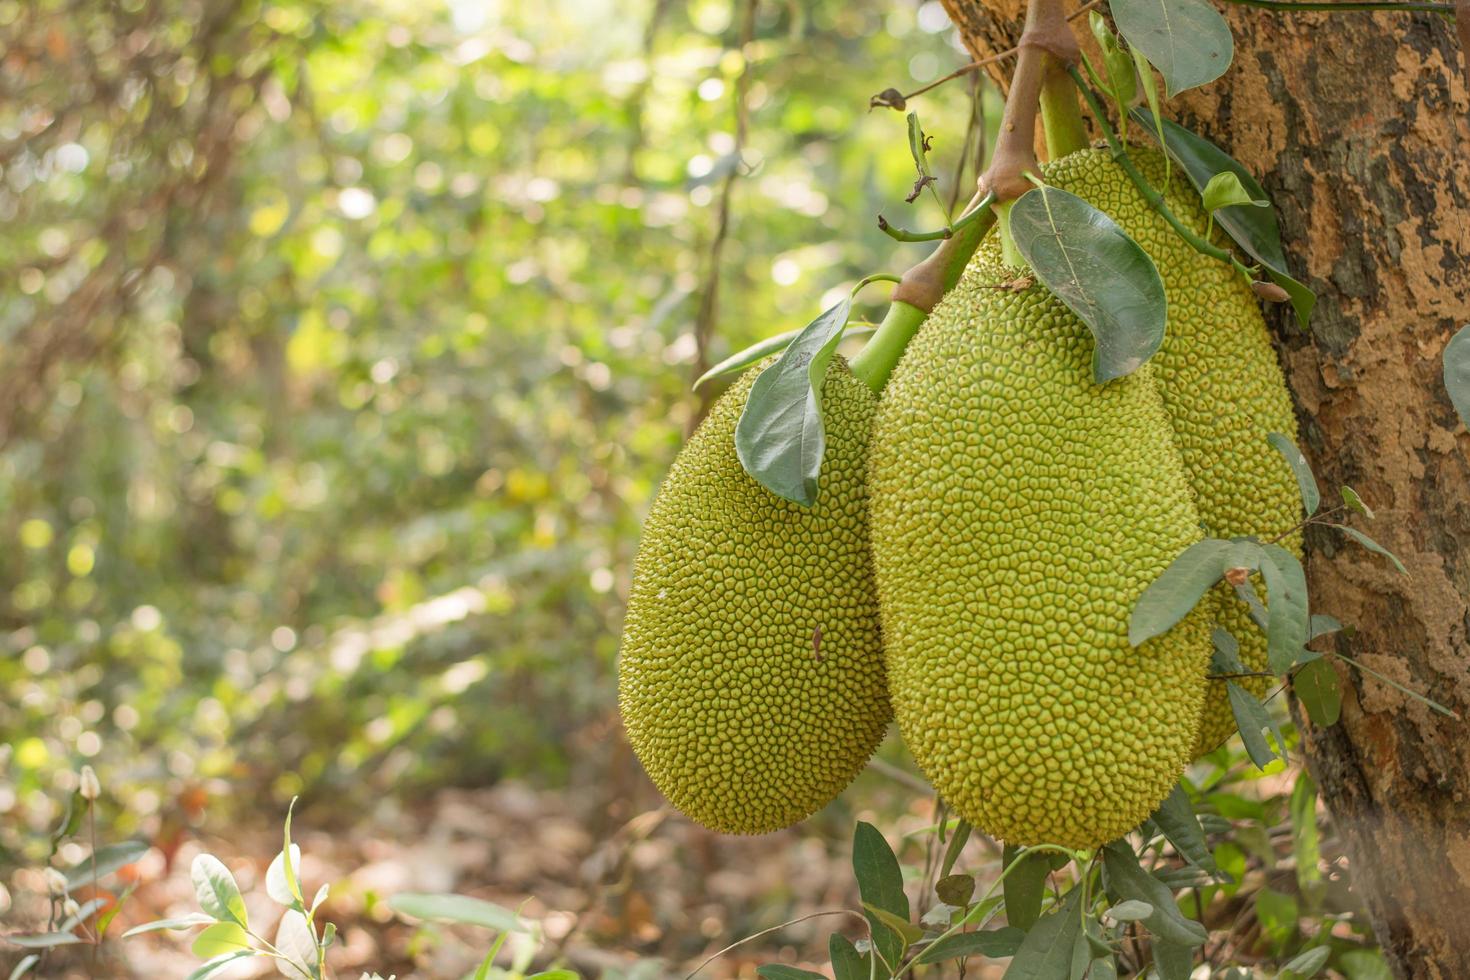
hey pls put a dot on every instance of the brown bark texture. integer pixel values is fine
(1358, 125)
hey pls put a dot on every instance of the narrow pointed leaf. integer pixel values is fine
(1226, 658)
(1371, 545)
(777, 971)
(1287, 622)
(181, 922)
(1131, 881)
(847, 962)
(43, 940)
(1175, 818)
(759, 351)
(110, 857)
(1254, 229)
(1253, 719)
(1101, 274)
(1178, 589)
(1355, 503)
(1046, 952)
(217, 964)
(1316, 686)
(456, 908)
(1306, 482)
(780, 439)
(880, 885)
(995, 943)
(1025, 887)
(1310, 962)
(955, 846)
(280, 887)
(1187, 40)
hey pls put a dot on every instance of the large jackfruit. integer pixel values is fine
(1019, 510)
(751, 677)
(1221, 384)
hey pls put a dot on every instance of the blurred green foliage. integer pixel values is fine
(344, 344)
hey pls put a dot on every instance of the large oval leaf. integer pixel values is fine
(1457, 372)
(1102, 275)
(1254, 229)
(1186, 40)
(779, 438)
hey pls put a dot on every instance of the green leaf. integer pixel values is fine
(1174, 961)
(1277, 912)
(1247, 594)
(573, 975)
(880, 885)
(1305, 837)
(1128, 878)
(1226, 658)
(219, 939)
(1130, 910)
(1355, 503)
(82, 914)
(280, 878)
(1178, 589)
(43, 940)
(1323, 624)
(1305, 481)
(955, 889)
(1025, 886)
(955, 846)
(1457, 373)
(1175, 818)
(1122, 81)
(1253, 719)
(776, 971)
(1155, 108)
(71, 819)
(180, 922)
(1225, 190)
(1046, 952)
(917, 149)
(110, 857)
(216, 890)
(1318, 689)
(1309, 963)
(219, 963)
(456, 908)
(994, 943)
(780, 439)
(900, 926)
(759, 351)
(296, 940)
(105, 919)
(1364, 964)
(1254, 229)
(847, 962)
(1187, 40)
(1101, 274)
(1287, 621)
(1371, 545)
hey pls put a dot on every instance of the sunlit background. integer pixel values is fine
(342, 348)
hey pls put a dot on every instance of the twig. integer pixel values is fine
(790, 922)
(704, 321)
(900, 776)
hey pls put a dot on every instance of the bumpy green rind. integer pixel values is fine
(1018, 512)
(751, 676)
(1221, 383)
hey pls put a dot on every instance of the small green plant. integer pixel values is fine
(67, 921)
(302, 938)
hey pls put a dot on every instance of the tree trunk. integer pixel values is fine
(1357, 125)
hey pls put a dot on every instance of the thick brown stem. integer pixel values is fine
(1045, 38)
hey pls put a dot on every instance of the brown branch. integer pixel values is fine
(1045, 39)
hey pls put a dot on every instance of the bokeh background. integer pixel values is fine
(342, 347)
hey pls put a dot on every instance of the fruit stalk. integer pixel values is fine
(918, 292)
(1046, 42)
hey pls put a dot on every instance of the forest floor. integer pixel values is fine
(639, 895)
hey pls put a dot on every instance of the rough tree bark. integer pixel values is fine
(1359, 126)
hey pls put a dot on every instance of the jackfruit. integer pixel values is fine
(1019, 510)
(1221, 385)
(751, 678)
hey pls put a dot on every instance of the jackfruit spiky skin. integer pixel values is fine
(1019, 510)
(751, 677)
(1222, 387)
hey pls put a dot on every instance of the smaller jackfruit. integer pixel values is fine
(751, 677)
